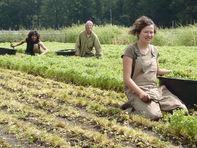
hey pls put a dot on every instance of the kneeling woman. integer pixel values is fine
(33, 44)
(140, 70)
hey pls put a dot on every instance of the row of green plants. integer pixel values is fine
(71, 102)
(46, 113)
(116, 131)
(110, 34)
(30, 131)
(57, 127)
(104, 73)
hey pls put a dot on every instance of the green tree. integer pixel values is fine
(53, 13)
(184, 11)
(18, 13)
(31, 14)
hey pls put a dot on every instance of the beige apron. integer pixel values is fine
(144, 75)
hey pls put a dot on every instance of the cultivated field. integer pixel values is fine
(42, 112)
(74, 102)
(104, 73)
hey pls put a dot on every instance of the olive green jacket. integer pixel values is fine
(84, 44)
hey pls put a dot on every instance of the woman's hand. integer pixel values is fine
(144, 97)
(17, 44)
(12, 45)
(161, 71)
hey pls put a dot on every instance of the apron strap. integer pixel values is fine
(137, 54)
(153, 51)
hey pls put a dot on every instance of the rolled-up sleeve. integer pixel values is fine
(129, 52)
(97, 46)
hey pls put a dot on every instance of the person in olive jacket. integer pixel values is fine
(86, 41)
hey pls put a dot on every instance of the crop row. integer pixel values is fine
(106, 72)
(112, 129)
(54, 126)
(66, 96)
(42, 105)
(59, 109)
(69, 92)
(30, 131)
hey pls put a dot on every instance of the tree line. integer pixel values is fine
(28, 14)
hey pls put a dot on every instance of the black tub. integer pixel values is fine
(4, 51)
(66, 52)
(186, 90)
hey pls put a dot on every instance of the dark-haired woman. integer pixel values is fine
(33, 44)
(140, 70)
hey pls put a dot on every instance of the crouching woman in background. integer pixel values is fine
(140, 70)
(33, 44)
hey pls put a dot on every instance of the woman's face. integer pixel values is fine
(34, 37)
(147, 33)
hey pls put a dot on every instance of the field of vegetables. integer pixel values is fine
(104, 73)
(38, 112)
(56, 101)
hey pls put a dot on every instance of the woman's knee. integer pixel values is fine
(36, 48)
(150, 114)
(155, 115)
(151, 111)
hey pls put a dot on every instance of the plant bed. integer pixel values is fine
(66, 52)
(4, 51)
(184, 89)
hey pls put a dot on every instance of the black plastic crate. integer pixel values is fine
(186, 90)
(66, 52)
(4, 51)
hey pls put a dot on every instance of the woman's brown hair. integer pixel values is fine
(31, 33)
(140, 23)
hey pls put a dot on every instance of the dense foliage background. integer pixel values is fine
(17, 14)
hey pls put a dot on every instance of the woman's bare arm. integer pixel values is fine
(17, 44)
(43, 47)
